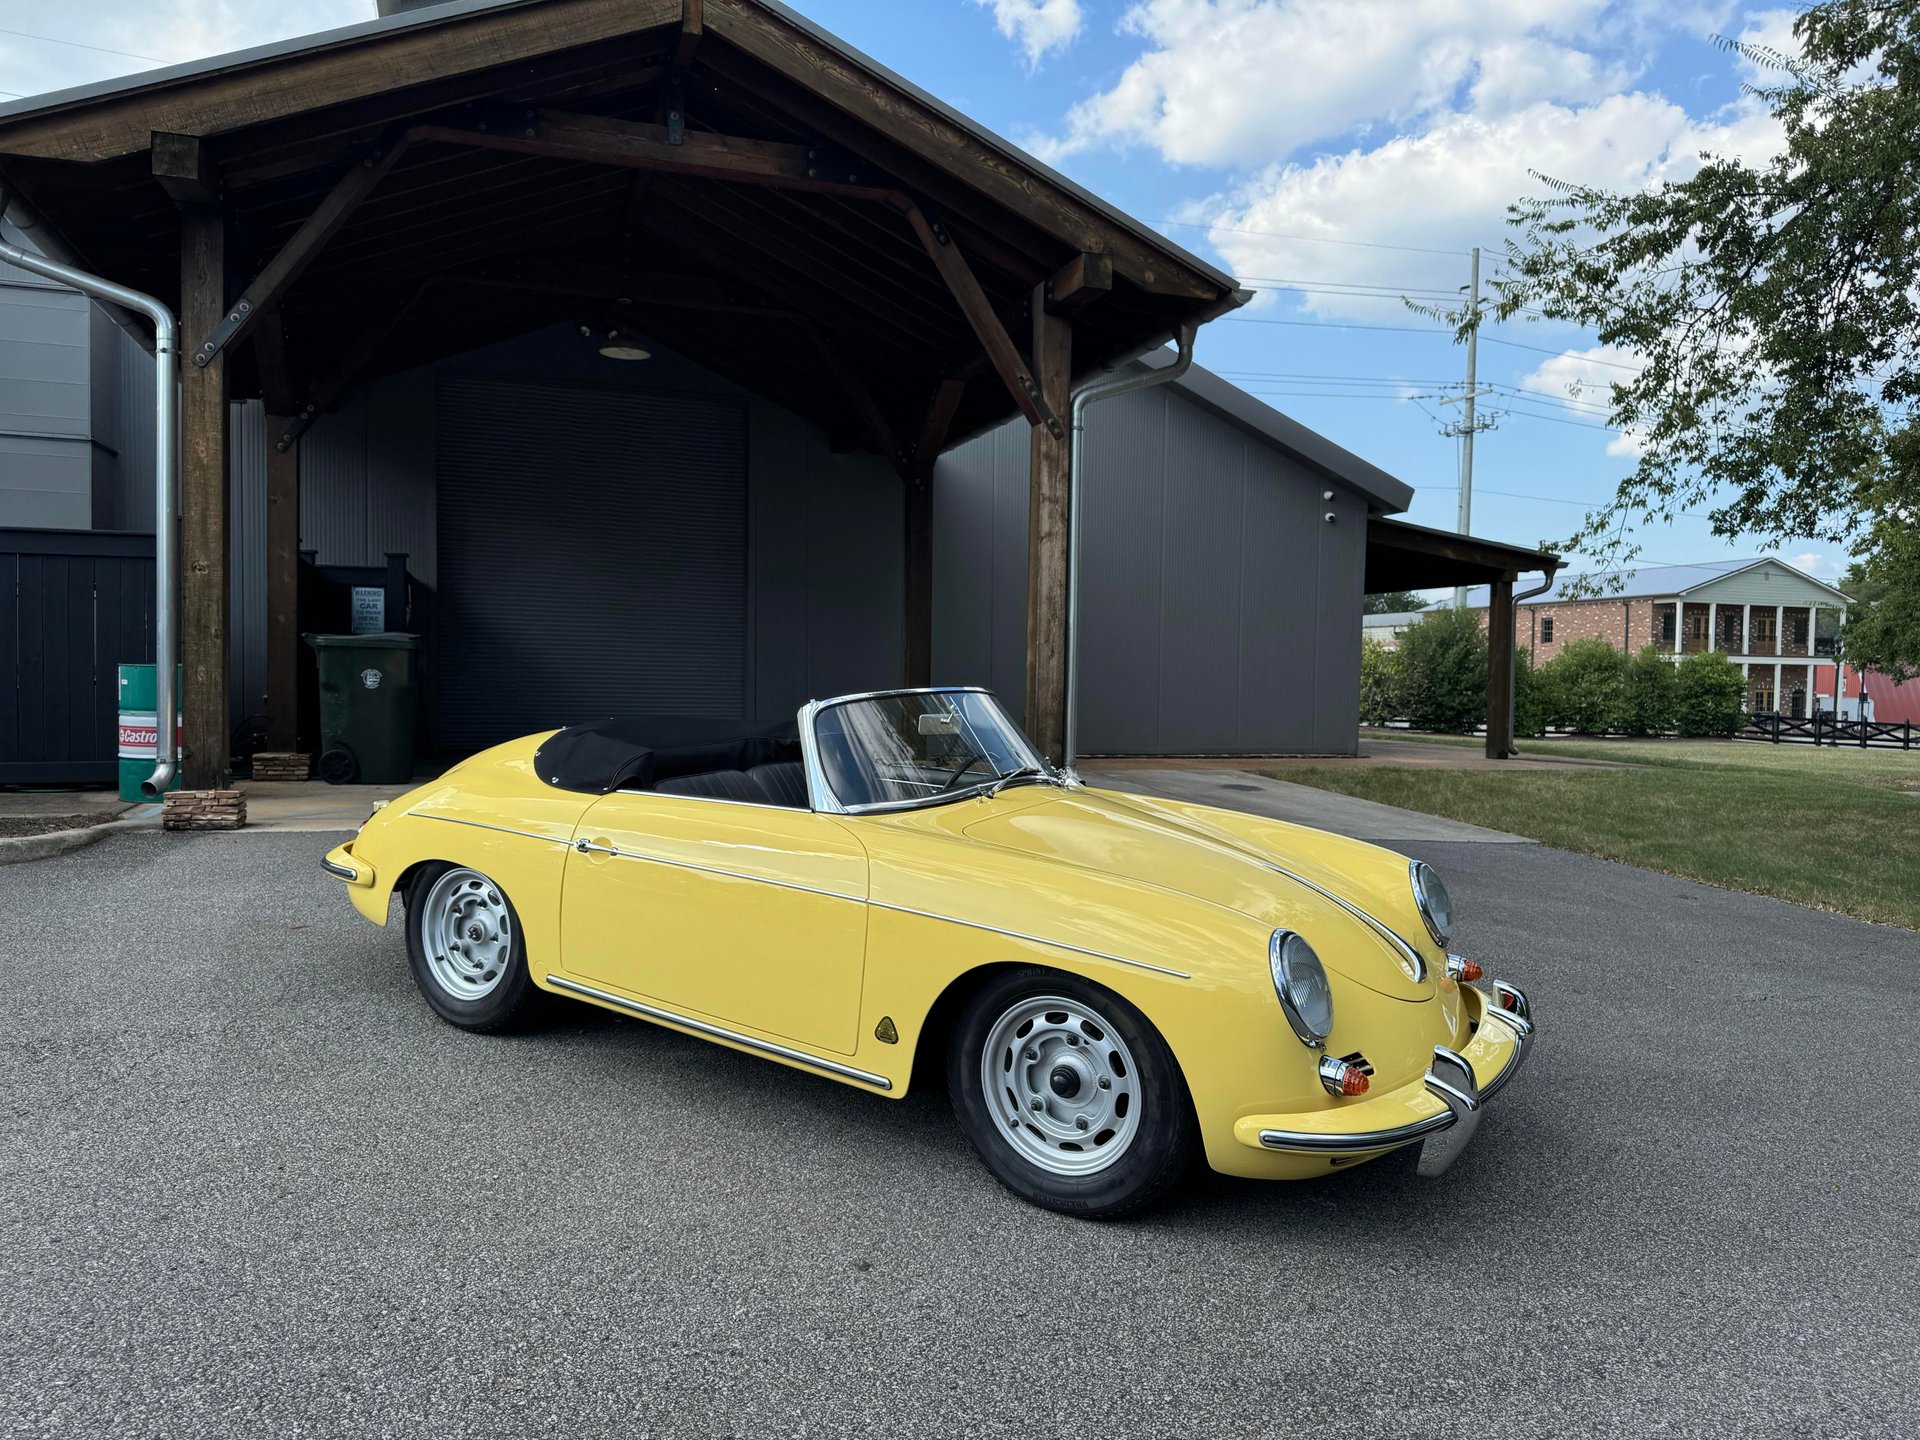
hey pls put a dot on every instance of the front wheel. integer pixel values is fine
(464, 944)
(1070, 1095)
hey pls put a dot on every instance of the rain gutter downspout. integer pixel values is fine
(166, 471)
(1085, 399)
(1545, 585)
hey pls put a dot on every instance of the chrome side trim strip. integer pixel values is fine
(719, 1032)
(588, 848)
(1032, 939)
(1410, 956)
(496, 829)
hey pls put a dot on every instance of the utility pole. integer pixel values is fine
(1470, 422)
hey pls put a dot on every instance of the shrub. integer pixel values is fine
(1533, 697)
(1443, 669)
(1587, 678)
(1708, 693)
(1650, 700)
(1380, 687)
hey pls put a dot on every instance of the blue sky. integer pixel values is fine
(1336, 154)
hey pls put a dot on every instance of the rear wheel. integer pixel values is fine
(1070, 1095)
(464, 944)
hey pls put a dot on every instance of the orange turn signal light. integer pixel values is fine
(1354, 1082)
(1462, 969)
(1339, 1077)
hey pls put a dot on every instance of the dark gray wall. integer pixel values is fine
(1218, 607)
(825, 563)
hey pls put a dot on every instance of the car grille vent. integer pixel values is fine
(1359, 1062)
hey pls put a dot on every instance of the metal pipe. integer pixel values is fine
(1085, 399)
(166, 470)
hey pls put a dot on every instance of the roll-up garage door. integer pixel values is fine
(593, 558)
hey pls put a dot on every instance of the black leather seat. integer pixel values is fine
(782, 784)
(715, 785)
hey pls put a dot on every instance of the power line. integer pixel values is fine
(1316, 239)
(1336, 325)
(82, 45)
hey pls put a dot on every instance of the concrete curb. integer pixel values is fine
(21, 849)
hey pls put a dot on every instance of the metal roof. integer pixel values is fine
(434, 14)
(1651, 581)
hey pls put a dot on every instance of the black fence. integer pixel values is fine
(1824, 728)
(74, 606)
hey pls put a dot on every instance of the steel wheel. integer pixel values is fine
(466, 934)
(1061, 1085)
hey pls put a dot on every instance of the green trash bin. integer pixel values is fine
(139, 728)
(366, 707)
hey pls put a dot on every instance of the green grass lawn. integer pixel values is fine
(1828, 828)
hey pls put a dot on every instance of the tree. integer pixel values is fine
(1393, 602)
(1443, 664)
(1708, 692)
(1883, 624)
(1380, 683)
(1773, 308)
(1649, 695)
(1588, 677)
(1533, 695)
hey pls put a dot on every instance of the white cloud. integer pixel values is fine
(1583, 375)
(1038, 26)
(1819, 564)
(1446, 187)
(1245, 82)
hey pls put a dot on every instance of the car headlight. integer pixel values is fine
(1436, 906)
(1301, 982)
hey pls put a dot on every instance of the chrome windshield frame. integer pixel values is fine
(820, 794)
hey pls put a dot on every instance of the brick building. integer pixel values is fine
(1779, 624)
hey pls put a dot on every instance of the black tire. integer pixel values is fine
(511, 993)
(1161, 1149)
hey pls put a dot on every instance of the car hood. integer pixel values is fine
(1105, 832)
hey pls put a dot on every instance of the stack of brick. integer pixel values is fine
(204, 810)
(282, 767)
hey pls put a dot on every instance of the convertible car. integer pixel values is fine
(898, 889)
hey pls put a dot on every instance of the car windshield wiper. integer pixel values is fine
(1025, 772)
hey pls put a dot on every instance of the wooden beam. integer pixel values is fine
(321, 226)
(204, 508)
(246, 95)
(939, 423)
(1081, 281)
(791, 51)
(693, 25)
(1500, 668)
(270, 359)
(979, 311)
(328, 392)
(185, 169)
(283, 591)
(598, 140)
(1048, 497)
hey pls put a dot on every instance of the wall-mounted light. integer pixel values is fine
(616, 344)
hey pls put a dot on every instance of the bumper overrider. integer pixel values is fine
(1454, 1080)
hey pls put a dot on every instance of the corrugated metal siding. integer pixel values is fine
(46, 454)
(1219, 607)
(593, 557)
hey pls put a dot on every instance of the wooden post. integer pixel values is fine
(283, 591)
(1500, 663)
(918, 634)
(1050, 474)
(203, 506)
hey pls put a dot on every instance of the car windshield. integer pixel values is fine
(919, 747)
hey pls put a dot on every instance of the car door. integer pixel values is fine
(749, 915)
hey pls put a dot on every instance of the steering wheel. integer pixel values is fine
(954, 778)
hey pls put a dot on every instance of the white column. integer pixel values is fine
(1713, 625)
(1779, 634)
(1746, 629)
(1778, 697)
(1679, 621)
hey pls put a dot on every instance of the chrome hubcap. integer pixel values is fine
(1061, 1084)
(466, 933)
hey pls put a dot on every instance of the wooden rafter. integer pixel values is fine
(268, 288)
(879, 428)
(270, 360)
(939, 422)
(974, 304)
(185, 169)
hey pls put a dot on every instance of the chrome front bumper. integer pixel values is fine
(1451, 1080)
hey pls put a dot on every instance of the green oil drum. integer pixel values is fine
(139, 729)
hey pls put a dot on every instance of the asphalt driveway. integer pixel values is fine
(249, 1186)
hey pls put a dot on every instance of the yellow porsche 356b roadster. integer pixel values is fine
(898, 887)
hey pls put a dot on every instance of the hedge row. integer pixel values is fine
(1437, 680)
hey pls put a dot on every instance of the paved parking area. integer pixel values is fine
(249, 1187)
